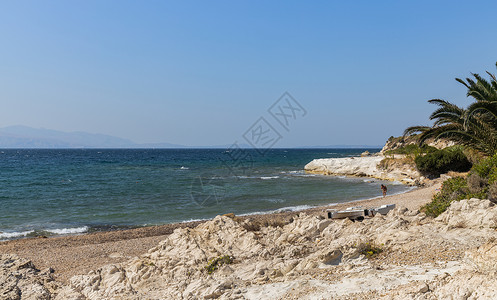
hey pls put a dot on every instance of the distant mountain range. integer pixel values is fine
(27, 137)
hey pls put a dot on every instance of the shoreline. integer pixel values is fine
(35, 234)
(78, 254)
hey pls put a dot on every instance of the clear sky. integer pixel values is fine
(202, 72)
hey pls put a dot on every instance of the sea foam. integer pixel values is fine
(15, 234)
(68, 230)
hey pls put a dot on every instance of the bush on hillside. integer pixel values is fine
(443, 161)
(452, 189)
(487, 168)
(412, 149)
(217, 262)
(480, 183)
(473, 156)
(492, 192)
(476, 183)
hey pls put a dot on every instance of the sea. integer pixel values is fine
(55, 192)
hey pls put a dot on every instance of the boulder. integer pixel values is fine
(19, 279)
(365, 153)
(470, 213)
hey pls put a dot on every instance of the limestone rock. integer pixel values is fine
(398, 142)
(307, 258)
(484, 258)
(19, 279)
(366, 166)
(472, 213)
(269, 262)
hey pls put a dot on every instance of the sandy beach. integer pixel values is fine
(78, 254)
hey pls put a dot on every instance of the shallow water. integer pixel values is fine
(55, 192)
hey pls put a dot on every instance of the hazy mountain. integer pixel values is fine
(168, 145)
(27, 137)
(159, 145)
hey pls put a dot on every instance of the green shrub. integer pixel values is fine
(492, 177)
(369, 249)
(215, 263)
(413, 149)
(492, 192)
(476, 183)
(388, 162)
(452, 189)
(442, 161)
(487, 168)
(481, 183)
(473, 156)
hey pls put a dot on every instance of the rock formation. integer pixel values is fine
(398, 142)
(365, 166)
(313, 257)
(19, 279)
(395, 167)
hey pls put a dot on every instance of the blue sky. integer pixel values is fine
(202, 72)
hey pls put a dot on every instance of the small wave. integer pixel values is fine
(15, 234)
(258, 177)
(269, 177)
(301, 173)
(280, 210)
(297, 172)
(307, 175)
(68, 230)
(293, 208)
(184, 168)
(195, 220)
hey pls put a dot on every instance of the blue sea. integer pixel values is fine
(69, 191)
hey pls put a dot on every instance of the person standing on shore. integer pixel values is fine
(384, 190)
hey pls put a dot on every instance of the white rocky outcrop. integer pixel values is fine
(367, 165)
(363, 166)
(450, 257)
(472, 213)
(19, 279)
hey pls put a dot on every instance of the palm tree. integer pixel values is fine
(475, 126)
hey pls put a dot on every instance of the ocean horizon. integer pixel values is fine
(69, 191)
